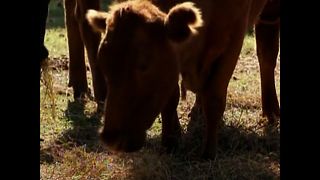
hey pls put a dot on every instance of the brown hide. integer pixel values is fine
(208, 61)
(142, 73)
(142, 52)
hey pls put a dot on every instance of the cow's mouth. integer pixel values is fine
(123, 142)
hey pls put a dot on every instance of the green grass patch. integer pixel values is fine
(56, 42)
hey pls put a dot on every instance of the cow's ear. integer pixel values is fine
(97, 20)
(182, 21)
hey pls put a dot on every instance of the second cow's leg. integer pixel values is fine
(77, 66)
(213, 94)
(267, 38)
(91, 40)
(171, 130)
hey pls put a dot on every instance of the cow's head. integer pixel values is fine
(140, 65)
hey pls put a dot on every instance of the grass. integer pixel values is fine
(71, 150)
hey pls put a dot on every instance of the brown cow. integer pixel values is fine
(144, 49)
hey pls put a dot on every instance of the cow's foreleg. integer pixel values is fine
(171, 130)
(267, 40)
(77, 66)
(91, 40)
(213, 93)
(213, 105)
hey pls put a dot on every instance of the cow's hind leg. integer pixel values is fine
(214, 92)
(171, 130)
(91, 40)
(267, 40)
(77, 66)
(213, 100)
(213, 106)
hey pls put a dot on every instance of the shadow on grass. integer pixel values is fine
(235, 138)
(47, 156)
(242, 154)
(84, 133)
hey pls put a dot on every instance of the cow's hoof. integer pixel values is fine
(196, 112)
(82, 94)
(171, 144)
(209, 155)
(100, 107)
(210, 152)
(273, 118)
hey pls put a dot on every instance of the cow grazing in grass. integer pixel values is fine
(146, 46)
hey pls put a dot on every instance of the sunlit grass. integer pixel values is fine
(71, 147)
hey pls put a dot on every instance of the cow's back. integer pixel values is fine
(223, 21)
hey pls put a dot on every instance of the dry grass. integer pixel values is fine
(47, 80)
(248, 149)
(71, 150)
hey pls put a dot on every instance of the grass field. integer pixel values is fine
(247, 149)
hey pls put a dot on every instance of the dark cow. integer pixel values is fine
(43, 19)
(144, 49)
